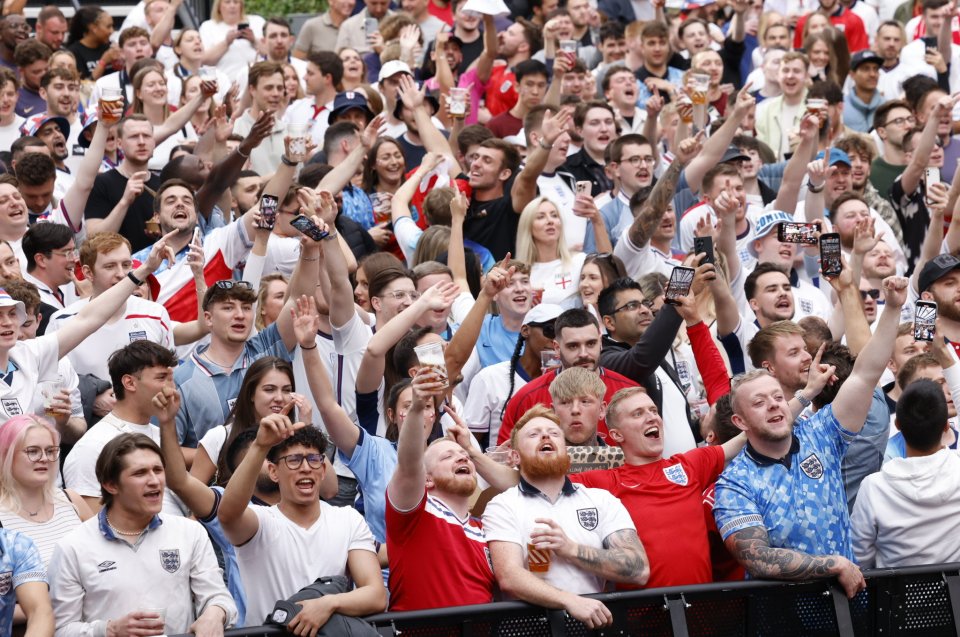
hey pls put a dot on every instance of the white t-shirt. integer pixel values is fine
(282, 557)
(141, 321)
(560, 282)
(303, 111)
(11, 133)
(79, 468)
(240, 55)
(558, 190)
(282, 254)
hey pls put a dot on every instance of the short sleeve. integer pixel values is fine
(401, 524)
(361, 539)
(352, 337)
(408, 234)
(706, 463)
(28, 566)
(734, 507)
(501, 522)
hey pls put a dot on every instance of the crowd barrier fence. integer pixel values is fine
(921, 601)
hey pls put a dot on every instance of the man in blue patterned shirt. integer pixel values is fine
(23, 580)
(780, 505)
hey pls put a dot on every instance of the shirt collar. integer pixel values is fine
(108, 532)
(766, 461)
(529, 490)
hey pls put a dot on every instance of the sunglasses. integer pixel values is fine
(873, 294)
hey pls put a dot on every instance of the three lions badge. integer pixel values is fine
(170, 560)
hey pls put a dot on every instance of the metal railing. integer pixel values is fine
(922, 601)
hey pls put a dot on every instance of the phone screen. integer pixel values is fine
(268, 211)
(308, 228)
(924, 321)
(831, 263)
(805, 233)
(679, 284)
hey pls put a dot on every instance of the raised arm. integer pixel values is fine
(818, 171)
(181, 117)
(855, 325)
(161, 30)
(489, 54)
(75, 200)
(737, 30)
(465, 339)
(525, 185)
(338, 178)
(456, 254)
(370, 374)
(198, 497)
(913, 173)
(239, 521)
(98, 311)
(342, 307)
(433, 140)
(718, 143)
(751, 547)
(651, 214)
(407, 485)
(796, 168)
(849, 407)
(400, 202)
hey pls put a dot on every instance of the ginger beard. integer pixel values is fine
(552, 466)
(462, 485)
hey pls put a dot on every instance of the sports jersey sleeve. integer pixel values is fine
(268, 342)
(67, 593)
(706, 463)
(501, 520)
(402, 524)
(79, 471)
(480, 405)
(597, 479)
(46, 352)
(28, 566)
(231, 241)
(734, 507)
(352, 337)
(212, 442)
(408, 234)
(835, 435)
(206, 580)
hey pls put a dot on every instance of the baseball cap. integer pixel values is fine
(837, 156)
(393, 67)
(7, 301)
(35, 123)
(862, 57)
(766, 224)
(543, 313)
(937, 267)
(348, 100)
(733, 154)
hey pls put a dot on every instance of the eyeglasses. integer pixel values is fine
(35, 454)
(873, 294)
(547, 329)
(633, 306)
(900, 121)
(228, 284)
(636, 160)
(66, 253)
(294, 460)
(399, 295)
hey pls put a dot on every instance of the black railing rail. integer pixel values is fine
(920, 601)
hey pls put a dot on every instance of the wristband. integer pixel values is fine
(133, 277)
(816, 189)
(543, 145)
(240, 152)
(288, 162)
(330, 236)
(314, 347)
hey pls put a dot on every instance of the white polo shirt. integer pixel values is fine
(31, 362)
(141, 321)
(588, 516)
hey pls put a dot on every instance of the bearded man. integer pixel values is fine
(553, 541)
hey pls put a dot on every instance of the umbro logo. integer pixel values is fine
(103, 567)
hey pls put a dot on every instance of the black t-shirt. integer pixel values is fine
(493, 224)
(87, 58)
(106, 194)
(412, 154)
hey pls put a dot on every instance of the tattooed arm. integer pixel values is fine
(622, 558)
(751, 547)
(656, 206)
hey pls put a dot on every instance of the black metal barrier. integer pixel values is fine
(922, 601)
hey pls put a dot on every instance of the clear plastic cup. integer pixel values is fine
(431, 355)
(298, 132)
(111, 101)
(499, 454)
(549, 359)
(161, 613)
(569, 46)
(700, 84)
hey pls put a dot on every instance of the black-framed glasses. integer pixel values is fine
(294, 460)
(873, 294)
(547, 329)
(633, 306)
(900, 121)
(35, 454)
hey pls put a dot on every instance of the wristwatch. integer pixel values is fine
(803, 400)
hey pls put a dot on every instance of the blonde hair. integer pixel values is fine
(12, 435)
(215, 12)
(613, 413)
(575, 382)
(526, 247)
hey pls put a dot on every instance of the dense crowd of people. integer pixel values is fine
(456, 301)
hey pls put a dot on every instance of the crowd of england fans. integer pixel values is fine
(442, 302)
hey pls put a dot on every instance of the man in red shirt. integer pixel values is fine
(578, 343)
(438, 553)
(663, 495)
(846, 21)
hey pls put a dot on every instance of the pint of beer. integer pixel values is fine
(111, 101)
(538, 560)
(699, 85)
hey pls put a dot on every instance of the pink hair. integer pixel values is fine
(12, 434)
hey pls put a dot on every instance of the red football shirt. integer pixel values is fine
(501, 91)
(848, 22)
(664, 499)
(436, 559)
(538, 391)
(726, 568)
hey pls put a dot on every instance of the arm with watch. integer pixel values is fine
(525, 185)
(817, 172)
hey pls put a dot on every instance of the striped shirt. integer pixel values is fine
(45, 534)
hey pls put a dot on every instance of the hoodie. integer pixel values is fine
(908, 514)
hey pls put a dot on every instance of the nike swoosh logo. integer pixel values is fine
(28, 110)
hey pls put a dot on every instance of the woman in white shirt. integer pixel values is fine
(10, 122)
(170, 127)
(228, 47)
(540, 242)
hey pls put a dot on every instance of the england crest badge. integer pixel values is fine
(170, 560)
(588, 518)
(676, 475)
(811, 467)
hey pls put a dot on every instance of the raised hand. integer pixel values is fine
(411, 96)
(161, 250)
(369, 135)
(819, 170)
(820, 375)
(498, 278)
(458, 206)
(895, 291)
(275, 428)
(689, 148)
(555, 124)
(306, 321)
(440, 296)
(865, 237)
(166, 403)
